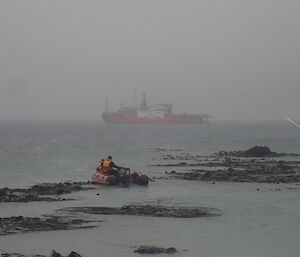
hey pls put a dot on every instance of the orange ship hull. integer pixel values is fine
(180, 118)
(154, 114)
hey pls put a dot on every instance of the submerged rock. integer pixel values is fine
(41, 192)
(256, 151)
(53, 254)
(145, 249)
(19, 224)
(16, 195)
(148, 210)
(246, 171)
(252, 165)
(74, 254)
(12, 255)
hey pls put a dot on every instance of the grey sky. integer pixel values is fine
(232, 59)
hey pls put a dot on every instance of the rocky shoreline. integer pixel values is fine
(257, 164)
(148, 210)
(143, 249)
(20, 224)
(53, 254)
(146, 249)
(42, 192)
(256, 152)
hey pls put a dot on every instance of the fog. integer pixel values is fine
(236, 60)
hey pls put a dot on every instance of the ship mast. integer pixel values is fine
(135, 99)
(106, 105)
(143, 105)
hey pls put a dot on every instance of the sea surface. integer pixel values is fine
(254, 223)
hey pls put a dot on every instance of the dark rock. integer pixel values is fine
(17, 224)
(55, 254)
(244, 170)
(144, 249)
(12, 255)
(148, 210)
(41, 192)
(259, 151)
(74, 254)
(256, 151)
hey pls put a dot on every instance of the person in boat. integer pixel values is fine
(99, 165)
(107, 166)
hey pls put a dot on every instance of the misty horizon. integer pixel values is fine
(233, 60)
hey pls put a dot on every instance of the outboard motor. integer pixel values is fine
(140, 178)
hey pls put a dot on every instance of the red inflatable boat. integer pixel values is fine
(124, 177)
(102, 178)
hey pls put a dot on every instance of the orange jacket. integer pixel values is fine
(107, 164)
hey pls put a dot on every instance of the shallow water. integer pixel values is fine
(264, 222)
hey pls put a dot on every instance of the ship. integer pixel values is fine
(154, 114)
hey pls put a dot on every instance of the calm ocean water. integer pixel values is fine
(253, 223)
